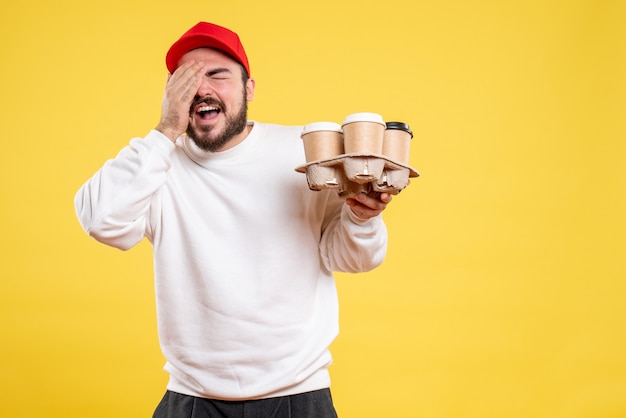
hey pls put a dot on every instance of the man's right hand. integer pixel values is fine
(180, 90)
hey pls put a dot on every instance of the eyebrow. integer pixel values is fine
(217, 71)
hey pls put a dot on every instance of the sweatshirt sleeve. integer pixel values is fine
(112, 206)
(352, 245)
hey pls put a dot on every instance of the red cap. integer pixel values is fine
(207, 35)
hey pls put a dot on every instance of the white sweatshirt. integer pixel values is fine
(243, 255)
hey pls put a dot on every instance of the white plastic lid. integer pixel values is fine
(321, 126)
(364, 117)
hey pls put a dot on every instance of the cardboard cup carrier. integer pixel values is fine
(364, 154)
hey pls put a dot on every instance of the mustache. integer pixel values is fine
(210, 101)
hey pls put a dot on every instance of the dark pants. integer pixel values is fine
(316, 404)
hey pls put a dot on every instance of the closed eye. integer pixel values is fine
(219, 74)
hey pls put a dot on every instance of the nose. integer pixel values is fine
(206, 89)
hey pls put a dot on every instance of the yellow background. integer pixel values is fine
(503, 294)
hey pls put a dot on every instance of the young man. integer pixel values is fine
(243, 250)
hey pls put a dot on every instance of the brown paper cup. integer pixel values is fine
(397, 142)
(322, 141)
(363, 133)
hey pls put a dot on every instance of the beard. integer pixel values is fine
(235, 124)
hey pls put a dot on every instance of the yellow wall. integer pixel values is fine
(503, 292)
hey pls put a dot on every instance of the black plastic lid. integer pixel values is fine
(400, 126)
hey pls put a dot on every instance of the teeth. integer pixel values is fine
(207, 108)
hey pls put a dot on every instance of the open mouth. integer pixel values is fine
(207, 112)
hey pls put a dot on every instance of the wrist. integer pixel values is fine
(172, 134)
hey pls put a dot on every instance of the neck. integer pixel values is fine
(237, 139)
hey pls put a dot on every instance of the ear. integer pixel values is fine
(250, 84)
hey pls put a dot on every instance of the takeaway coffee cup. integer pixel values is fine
(363, 133)
(322, 141)
(397, 142)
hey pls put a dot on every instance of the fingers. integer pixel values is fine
(183, 85)
(366, 206)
